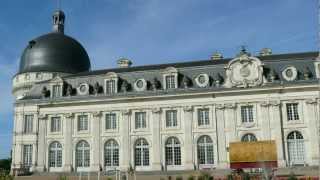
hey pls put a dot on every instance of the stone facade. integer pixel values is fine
(275, 106)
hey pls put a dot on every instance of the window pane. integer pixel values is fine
(140, 120)
(111, 121)
(83, 154)
(111, 153)
(203, 117)
(170, 82)
(205, 150)
(173, 152)
(247, 114)
(55, 124)
(171, 118)
(292, 111)
(82, 122)
(110, 86)
(28, 123)
(27, 155)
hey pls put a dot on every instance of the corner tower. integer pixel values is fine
(49, 55)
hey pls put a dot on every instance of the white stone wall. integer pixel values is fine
(270, 123)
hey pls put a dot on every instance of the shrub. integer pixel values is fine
(179, 178)
(191, 178)
(292, 177)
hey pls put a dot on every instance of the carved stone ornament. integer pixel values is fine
(156, 110)
(96, 114)
(220, 106)
(126, 112)
(42, 116)
(230, 106)
(244, 71)
(69, 115)
(311, 101)
(188, 108)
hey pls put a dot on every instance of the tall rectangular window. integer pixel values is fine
(171, 118)
(28, 124)
(247, 114)
(56, 91)
(82, 122)
(111, 121)
(170, 82)
(55, 124)
(292, 111)
(140, 120)
(27, 155)
(110, 86)
(203, 117)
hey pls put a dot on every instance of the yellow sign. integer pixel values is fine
(258, 151)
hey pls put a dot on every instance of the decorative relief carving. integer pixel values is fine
(269, 103)
(311, 101)
(97, 114)
(220, 106)
(126, 112)
(244, 71)
(188, 108)
(42, 116)
(230, 106)
(156, 110)
(69, 115)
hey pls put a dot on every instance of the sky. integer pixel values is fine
(153, 32)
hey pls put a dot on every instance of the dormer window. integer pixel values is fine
(56, 91)
(170, 78)
(111, 83)
(170, 82)
(110, 86)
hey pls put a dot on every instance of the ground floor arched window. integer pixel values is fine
(205, 150)
(248, 138)
(173, 151)
(83, 154)
(141, 152)
(55, 154)
(111, 153)
(295, 147)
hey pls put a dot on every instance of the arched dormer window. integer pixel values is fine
(170, 78)
(111, 83)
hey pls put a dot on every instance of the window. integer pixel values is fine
(27, 155)
(171, 118)
(246, 114)
(248, 138)
(82, 122)
(56, 91)
(111, 153)
(170, 81)
(110, 86)
(55, 155)
(141, 153)
(83, 154)
(173, 151)
(55, 124)
(28, 124)
(292, 111)
(203, 117)
(295, 148)
(140, 120)
(205, 150)
(111, 121)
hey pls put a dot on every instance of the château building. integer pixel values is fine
(162, 117)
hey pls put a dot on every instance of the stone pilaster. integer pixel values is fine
(68, 154)
(156, 142)
(221, 137)
(96, 150)
(312, 123)
(188, 139)
(276, 127)
(41, 164)
(264, 120)
(125, 144)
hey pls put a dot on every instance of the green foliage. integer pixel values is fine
(109, 178)
(191, 177)
(5, 164)
(6, 177)
(63, 178)
(230, 177)
(292, 177)
(179, 178)
(204, 176)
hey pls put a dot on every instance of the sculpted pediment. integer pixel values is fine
(244, 71)
(56, 79)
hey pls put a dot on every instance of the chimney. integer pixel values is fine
(265, 52)
(216, 56)
(124, 63)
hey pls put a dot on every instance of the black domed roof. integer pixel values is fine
(54, 52)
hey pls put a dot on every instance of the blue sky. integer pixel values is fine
(152, 32)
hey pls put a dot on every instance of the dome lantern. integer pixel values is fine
(58, 21)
